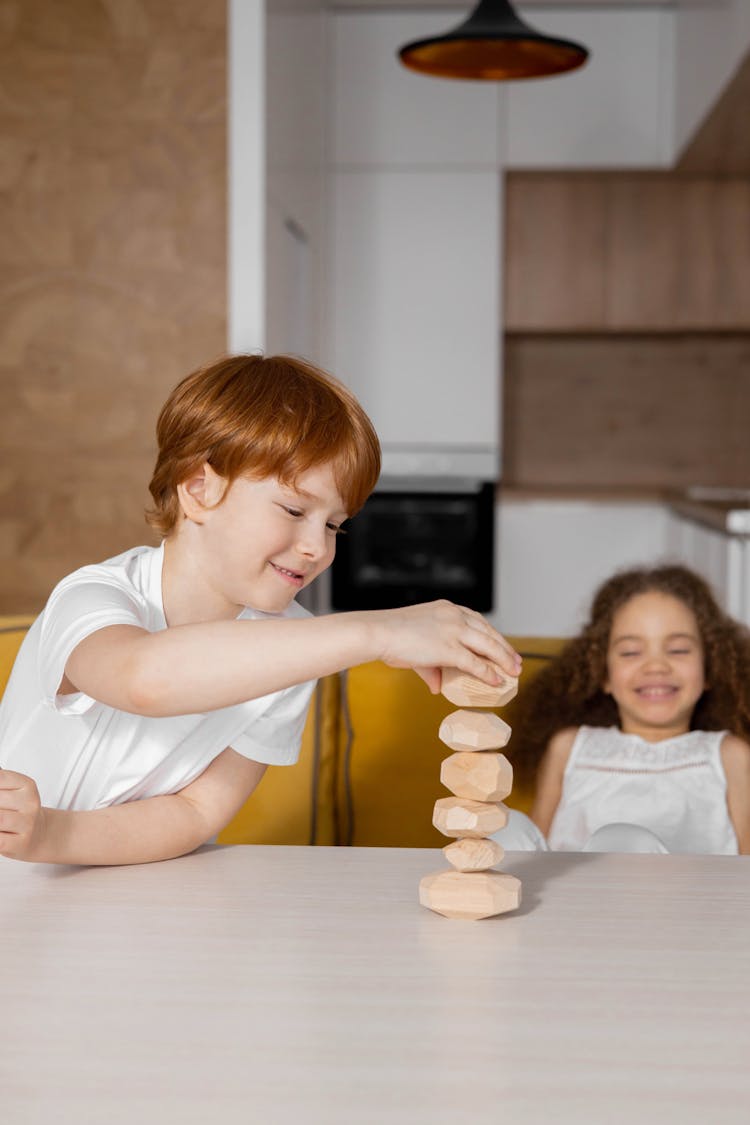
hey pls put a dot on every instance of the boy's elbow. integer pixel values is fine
(145, 690)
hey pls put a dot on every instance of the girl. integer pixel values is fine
(638, 732)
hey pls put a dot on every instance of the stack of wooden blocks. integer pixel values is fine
(480, 778)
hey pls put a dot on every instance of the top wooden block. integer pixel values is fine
(466, 691)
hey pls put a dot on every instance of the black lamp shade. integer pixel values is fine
(493, 44)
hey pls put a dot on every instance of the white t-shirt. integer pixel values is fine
(85, 755)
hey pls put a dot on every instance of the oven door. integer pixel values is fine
(418, 544)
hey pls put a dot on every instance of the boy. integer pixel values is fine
(150, 695)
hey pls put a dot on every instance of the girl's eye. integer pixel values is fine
(293, 511)
(679, 651)
(336, 529)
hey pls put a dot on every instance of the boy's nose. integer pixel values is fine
(312, 543)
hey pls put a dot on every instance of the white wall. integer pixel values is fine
(616, 111)
(277, 174)
(246, 311)
(296, 128)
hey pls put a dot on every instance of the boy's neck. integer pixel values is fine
(187, 597)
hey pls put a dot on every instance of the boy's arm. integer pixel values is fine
(202, 667)
(735, 756)
(136, 832)
(550, 778)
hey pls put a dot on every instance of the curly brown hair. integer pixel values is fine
(568, 691)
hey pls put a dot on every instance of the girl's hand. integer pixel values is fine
(438, 635)
(21, 816)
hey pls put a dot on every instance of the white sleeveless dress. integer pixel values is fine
(676, 789)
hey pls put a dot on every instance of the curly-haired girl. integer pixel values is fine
(639, 732)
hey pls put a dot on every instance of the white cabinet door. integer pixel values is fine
(616, 111)
(553, 554)
(384, 114)
(414, 304)
(723, 560)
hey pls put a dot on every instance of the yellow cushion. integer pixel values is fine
(294, 804)
(389, 753)
(12, 632)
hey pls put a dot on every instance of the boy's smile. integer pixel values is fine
(655, 665)
(259, 546)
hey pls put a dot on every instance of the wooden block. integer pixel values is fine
(470, 894)
(457, 816)
(473, 854)
(481, 777)
(466, 691)
(474, 730)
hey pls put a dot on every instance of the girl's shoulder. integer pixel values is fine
(735, 753)
(561, 744)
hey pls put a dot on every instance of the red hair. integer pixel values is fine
(261, 416)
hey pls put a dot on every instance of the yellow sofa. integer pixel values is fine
(369, 768)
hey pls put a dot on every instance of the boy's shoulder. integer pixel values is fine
(134, 574)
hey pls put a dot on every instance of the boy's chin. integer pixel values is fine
(276, 604)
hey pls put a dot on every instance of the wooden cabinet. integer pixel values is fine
(628, 252)
(555, 267)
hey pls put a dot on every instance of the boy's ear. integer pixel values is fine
(200, 492)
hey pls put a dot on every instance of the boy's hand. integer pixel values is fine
(21, 816)
(439, 635)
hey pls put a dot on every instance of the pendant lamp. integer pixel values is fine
(494, 45)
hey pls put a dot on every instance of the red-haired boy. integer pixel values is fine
(151, 693)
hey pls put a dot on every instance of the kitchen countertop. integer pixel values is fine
(724, 509)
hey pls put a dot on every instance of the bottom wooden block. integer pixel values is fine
(470, 894)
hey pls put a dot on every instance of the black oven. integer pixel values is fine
(418, 542)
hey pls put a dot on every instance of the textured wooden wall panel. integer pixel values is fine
(619, 410)
(112, 263)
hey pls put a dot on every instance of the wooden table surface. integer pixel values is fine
(270, 984)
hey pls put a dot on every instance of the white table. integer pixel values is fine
(268, 984)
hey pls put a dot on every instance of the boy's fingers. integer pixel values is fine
(11, 822)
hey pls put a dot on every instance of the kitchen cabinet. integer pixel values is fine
(553, 552)
(555, 252)
(632, 252)
(415, 244)
(413, 314)
(719, 556)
